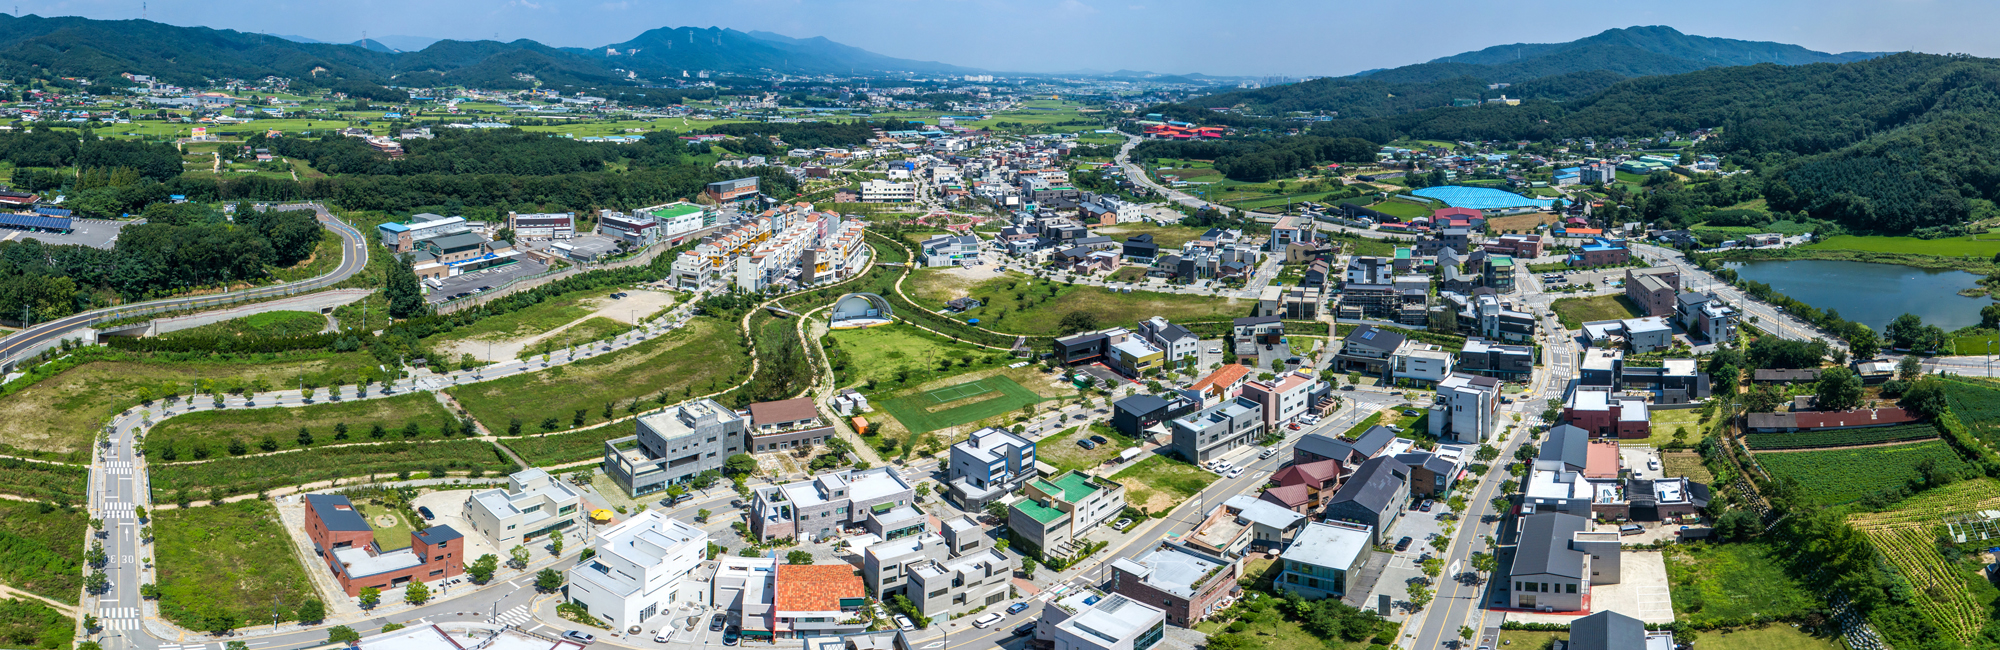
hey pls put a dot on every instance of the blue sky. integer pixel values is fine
(1233, 37)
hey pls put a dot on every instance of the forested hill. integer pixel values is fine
(1550, 71)
(103, 49)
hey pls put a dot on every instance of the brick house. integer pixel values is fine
(342, 537)
(1188, 584)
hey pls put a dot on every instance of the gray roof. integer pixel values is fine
(1373, 440)
(1375, 484)
(1261, 512)
(333, 516)
(438, 534)
(1425, 460)
(1331, 545)
(1544, 546)
(1607, 630)
(1568, 444)
(1325, 445)
(1171, 569)
(1374, 337)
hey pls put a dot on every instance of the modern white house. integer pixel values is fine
(533, 505)
(640, 569)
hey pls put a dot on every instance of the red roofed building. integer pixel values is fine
(1827, 420)
(817, 600)
(1295, 498)
(1222, 383)
(1317, 477)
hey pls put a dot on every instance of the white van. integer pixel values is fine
(989, 619)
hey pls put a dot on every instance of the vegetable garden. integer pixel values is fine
(1840, 438)
(1946, 602)
(1977, 404)
(1830, 476)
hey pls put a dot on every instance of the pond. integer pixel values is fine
(1872, 294)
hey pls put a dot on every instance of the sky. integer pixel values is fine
(1234, 37)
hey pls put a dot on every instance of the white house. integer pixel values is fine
(639, 570)
(533, 505)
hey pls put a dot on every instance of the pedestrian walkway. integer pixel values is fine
(114, 510)
(118, 467)
(118, 618)
(515, 616)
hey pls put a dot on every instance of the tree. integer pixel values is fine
(1864, 344)
(1735, 526)
(236, 645)
(923, 489)
(97, 582)
(517, 557)
(342, 634)
(1838, 390)
(548, 580)
(404, 293)
(1077, 321)
(1465, 631)
(90, 623)
(1926, 398)
(1486, 453)
(799, 557)
(312, 611)
(482, 569)
(702, 515)
(514, 426)
(1485, 562)
(740, 465)
(1910, 367)
(149, 591)
(996, 510)
(416, 593)
(1420, 595)
(370, 597)
(556, 545)
(1433, 567)
(1028, 567)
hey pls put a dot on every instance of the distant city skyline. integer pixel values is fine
(1294, 38)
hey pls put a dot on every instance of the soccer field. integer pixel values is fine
(955, 405)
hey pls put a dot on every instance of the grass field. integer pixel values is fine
(1401, 209)
(1725, 581)
(231, 476)
(1777, 636)
(390, 538)
(1574, 312)
(1168, 237)
(1019, 304)
(1688, 464)
(707, 355)
(28, 623)
(1159, 483)
(1948, 247)
(1061, 450)
(231, 561)
(42, 552)
(215, 429)
(274, 323)
(51, 482)
(1824, 475)
(1530, 639)
(930, 410)
(523, 323)
(894, 354)
(595, 329)
(556, 449)
(1667, 421)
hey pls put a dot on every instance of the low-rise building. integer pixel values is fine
(1375, 495)
(1557, 561)
(533, 505)
(1500, 361)
(1703, 314)
(942, 589)
(1088, 619)
(881, 191)
(1653, 289)
(1467, 409)
(815, 600)
(549, 225)
(1134, 416)
(344, 540)
(673, 445)
(1350, 453)
(1604, 414)
(949, 250)
(1286, 399)
(731, 190)
(989, 464)
(1189, 584)
(1180, 347)
(1055, 513)
(1268, 526)
(1420, 364)
(823, 506)
(885, 565)
(1368, 350)
(1323, 560)
(1211, 432)
(639, 570)
(786, 424)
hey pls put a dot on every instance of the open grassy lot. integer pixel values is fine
(929, 410)
(1520, 222)
(390, 538)
(1727, 581)
(1688, 464)
(1826, 476)
(213, 431)
(705, 356)
(1023, 305)
(274, 323)
(1948, 247)
(1161, 482)
(1062, 451)
(1530, 639)
(26, 623)
(595, 329)
(1668, 421)
(556, 449)
(51, 482)
(1574, 312)
(62, 412)
(41, 550)
(895, 354)
(230, 476)
(232, 561)
(1168, 237)
(1401, 209)
(1777, 636)
(523, 323)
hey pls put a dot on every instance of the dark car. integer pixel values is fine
(730, 636)
(1412, 412)
(426, 512)
(1025, 629)
(1086, 444)
(715, 624)
(1403, 544)
(1098, 439)
(1016, 608)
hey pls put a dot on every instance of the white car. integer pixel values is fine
(903, 622)
(1653, 464)
(1235, 472)
(1223, 467)
(1215, 350)
(988, 620)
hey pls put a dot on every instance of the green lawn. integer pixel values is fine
(1019, 304)
(213, 430)
(1949, 247)
(705, 356)
(275, 323)
(1168, 237)
(1530, 640)
(389, 538)
(1159, 483)
(42, 552)
(925, 411)
(1732, 581)
(1666, 421)
(1061, 450)
(226, 562)
(883, 354)
(1574, 312)
(1401, 209)
(546, 315)
(1778, 636)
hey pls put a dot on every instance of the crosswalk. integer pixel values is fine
(514, 617)
(118, 510)
(119, 467)
(118, 618)
(190, 646)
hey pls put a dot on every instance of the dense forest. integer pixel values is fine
(472, 151)
(808, 135)
(1261, 159)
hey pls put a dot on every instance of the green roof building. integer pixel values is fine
(1054, 513)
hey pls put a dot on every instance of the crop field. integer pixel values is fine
(1948, 247)
(1840, 437)
(1686, 464)
(1949, 603)
(267, 324)
(706, 355)
(51, 482)
(1827, 476)
(229, 476)
(195, 436)
(930, 410)
(1930, 507)
(232, 561)
(1401, 209)
(1022, 305)
(1977, 405)
(42, 552)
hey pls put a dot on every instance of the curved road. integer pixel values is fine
(1138, 175)
(354, 257)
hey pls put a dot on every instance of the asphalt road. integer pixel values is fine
(354, 257)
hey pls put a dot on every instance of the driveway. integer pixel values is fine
(1642, 593)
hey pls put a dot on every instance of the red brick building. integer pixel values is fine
(343, 538)
(731, 190)
(1605, 416)
(1188, 584)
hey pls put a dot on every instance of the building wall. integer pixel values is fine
(1543, 591)
(790, 440)
(1184, 612)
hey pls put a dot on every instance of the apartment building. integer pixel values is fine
(815, 600)
(786, 424)
(1557, 561)
(1087, 619)
(825, 505)
(533, 505)
(1055, 513)
(1654, 290)
(989, 464)
(1286, 398)
(942, 589)
(1180, 347)
(1484, 358)
(1322, 560)
(1467, 409)
(1211, 432)
(674, 445)
(640, 569)
(1187, 583)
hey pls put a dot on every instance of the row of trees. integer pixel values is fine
(1257, 160)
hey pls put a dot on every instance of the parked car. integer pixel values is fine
(1017, 608)
(1098, 439)
(1268, 453)
(1631, 529)
(1233, 473)
(1086, 444)
(1403, 544)
(903, 623)
(729, 637)
(715, 624)
(1412, 412)
(579, 637)
(1653, 464)
(1118, 524)
(1347, 387)
(1215, 350)
(1427, 505)
(1506, 400)
(663, 636)
(426, 512)
(987, 620)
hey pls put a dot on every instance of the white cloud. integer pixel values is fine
(1076, 7)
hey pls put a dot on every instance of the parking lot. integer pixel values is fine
(1407, 565)
(95, 233)
(493, 277)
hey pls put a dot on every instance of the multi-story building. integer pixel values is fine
(1189, 584)
(1181, 348)
(1243, 522)
(1481, 357)
(815, 600)
(1057, 512)
(989, 464)
(942, 589)
(677, 220)
(1373, 495)
(1558, 560)
(881, 191)
(1087, 619)
(533, 505)
(1467, 409)
(820, 507)
(884, 566)
(1604, 414)
(1322, 560)
(1368, 350)
(636, 230)
(1133, 415)
(403, 237)
(1420, 363)
(731, 190)
(786, 424)
(342, 538)
(1284, 400)
(948, 250)
(674, 445)
(1702, 313)
(548, 225)
(1135, 356)
(1601, 252)
(1211, 432)
(745, 585)
(1653, 289)
(639, 570)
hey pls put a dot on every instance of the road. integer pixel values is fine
(354, 258)
(1768, 317)
(1138, 175)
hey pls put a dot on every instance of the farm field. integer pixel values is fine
(1159, 483)
(51, 482)
(1840, 438)
(1401, 209)
(231, 562)
(1686, 464)
(1824, 477)
(1977, 405)
(228, 476)
(1524, 223)
(267, 324)
(1906, 535)
(1731, 581)
(42, 552)
(705, 356)
(1019, 304)
(1948, 247)
(195, 436)
(1574, 312)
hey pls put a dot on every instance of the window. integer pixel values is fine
(1572, 587)
(438, 572)
(937, 593)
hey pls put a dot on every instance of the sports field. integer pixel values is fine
(958, 404)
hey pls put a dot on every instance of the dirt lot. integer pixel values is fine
(635, 307)
(1519, 222)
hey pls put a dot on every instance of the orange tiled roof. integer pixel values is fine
(1222, 377)
(816, 587)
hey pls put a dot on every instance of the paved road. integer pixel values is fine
(354, 257)
(1769, 317)
(1138, 175)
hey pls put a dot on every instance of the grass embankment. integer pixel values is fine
(41, 549)
(51, 482)
(231, 476)
(207, 434)
(1953, 253)
(230, 563)
(705, 356)
(1023, 305)
(26, 623)
(267, 324)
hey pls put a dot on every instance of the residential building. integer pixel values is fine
(1055, 513)
(1140, 248)
(1222, 383)
(814, 600)
(1319, 478)
(731, 190)
(1493, 319)
(1087, 619)
(881, 191)
(1269, 526)
(673, 445)
(1420, 364)
(534, 505)
(1134, 416)
(949, 250)
(1368, 350)
(1557, 561)
(1257, 334)
(1600, 252)
(1285, 399)
(746, 586)
(1606, 415)
(1702, 313)
(1674, 381)
(1214, 431)
(1433, 472)
(1288, 230)
(1295, 303)
(818, 508)
(1609, 630)
(1467, 409)
(639, 570)
(1320, 562)
(1653, 289)
(786, 424)
(1180, 347)
(885, 565)
(1189, 584)
(942, 589)
(1517, 246)
(989, 464)
(550, 225)
(1135, 356)
(1369, 270)
(1316, 447)
(343, 538)
(1481, 357)
(1375, 495)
